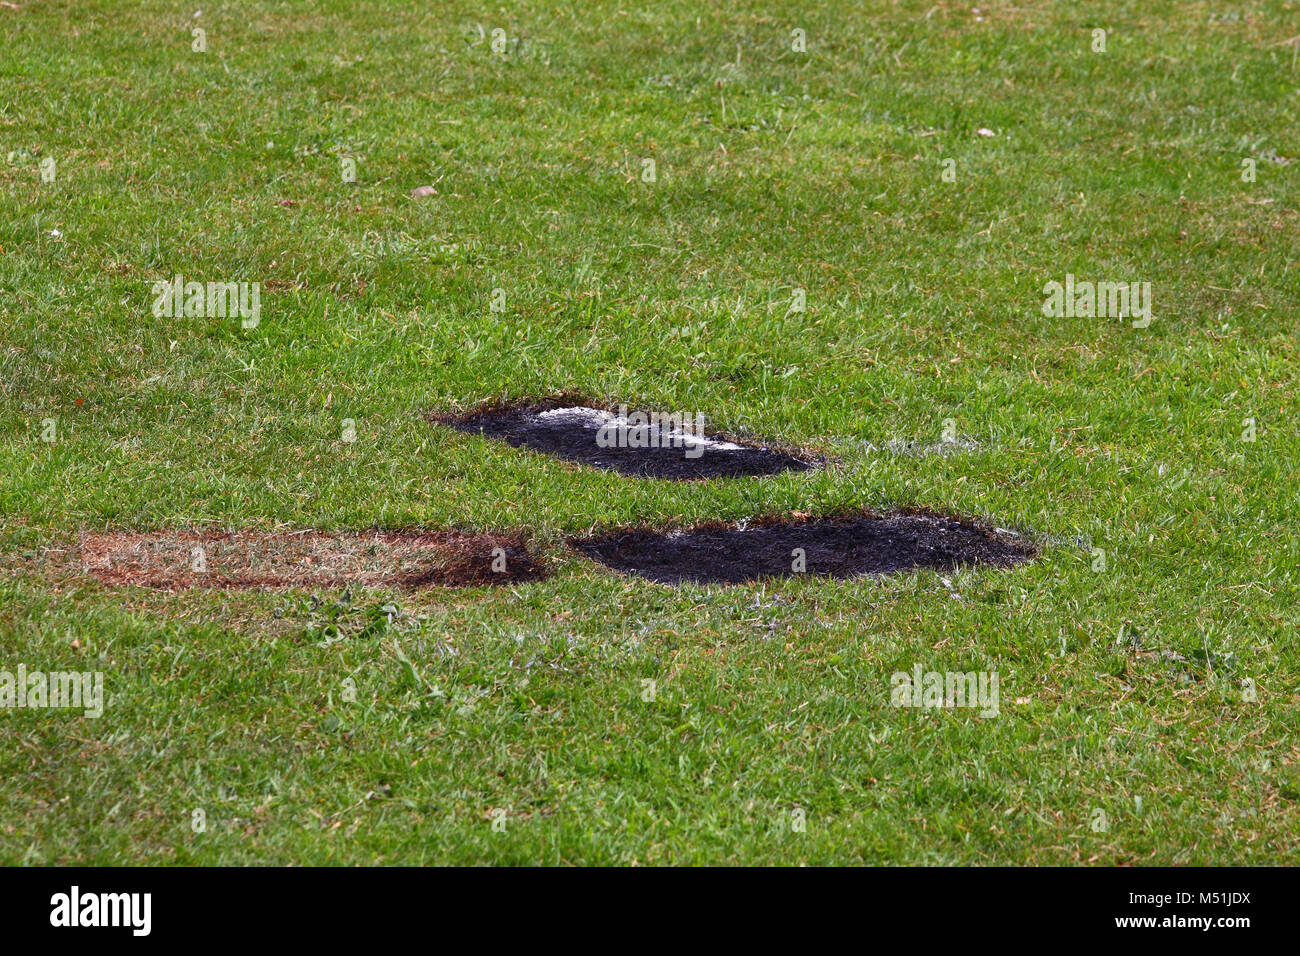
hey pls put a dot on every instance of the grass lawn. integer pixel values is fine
(630, 203)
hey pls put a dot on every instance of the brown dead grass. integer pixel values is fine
(174, 560)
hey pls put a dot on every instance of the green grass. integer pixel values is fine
(775, 170)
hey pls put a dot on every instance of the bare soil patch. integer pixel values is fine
(583, 433)
(256, 559)
(835, 546)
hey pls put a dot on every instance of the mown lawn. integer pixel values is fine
(512, 725)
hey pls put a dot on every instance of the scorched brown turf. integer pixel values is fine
(255, 559)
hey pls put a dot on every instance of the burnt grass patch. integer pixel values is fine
(174, 560)
(839, 546)
(578, 431)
